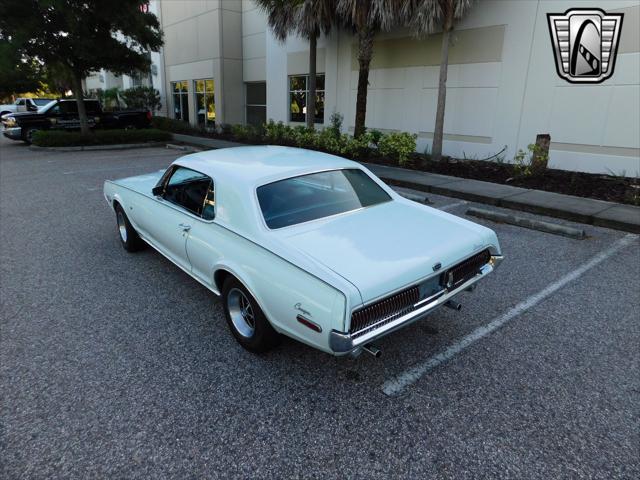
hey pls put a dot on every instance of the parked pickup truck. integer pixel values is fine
(24, 105)
(63, 115)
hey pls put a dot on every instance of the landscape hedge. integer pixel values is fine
(60, 138)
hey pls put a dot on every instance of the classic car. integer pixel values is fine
(302, 243)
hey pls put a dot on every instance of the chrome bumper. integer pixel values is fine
(14, 133)
(342, 343)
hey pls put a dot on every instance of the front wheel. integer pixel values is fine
(28, 135)
(248, 324)
(129, 238)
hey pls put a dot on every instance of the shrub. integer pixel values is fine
(335, 124)
(61, 138)
(376, 135)
(172, 125)
(247, 133)
(532, 163)
(400, 145)
(147, 98)
(278, 133)
(358, 147)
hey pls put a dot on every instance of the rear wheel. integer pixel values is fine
(129, 238)
(248, 324)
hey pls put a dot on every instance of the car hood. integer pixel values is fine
(389, 246)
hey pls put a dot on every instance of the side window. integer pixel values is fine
(192, 191)
(69, 108)
(20, 102)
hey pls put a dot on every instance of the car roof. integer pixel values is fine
(261, 164)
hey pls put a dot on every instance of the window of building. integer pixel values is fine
(205, 102)
(256, 103)
(180, 91)
(298, 91)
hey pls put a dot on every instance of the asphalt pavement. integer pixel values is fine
(117, 365)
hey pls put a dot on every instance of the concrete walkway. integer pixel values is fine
(577, 209)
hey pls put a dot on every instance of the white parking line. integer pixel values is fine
(452, 205)
(397, 385)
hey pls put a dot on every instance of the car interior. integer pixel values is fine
(192, 191)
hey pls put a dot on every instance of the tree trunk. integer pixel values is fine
(438, 131)
(365, 52)
(311, 96)
(82, 111)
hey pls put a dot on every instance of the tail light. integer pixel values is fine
(149, 115)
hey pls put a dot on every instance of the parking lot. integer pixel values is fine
(117, 365)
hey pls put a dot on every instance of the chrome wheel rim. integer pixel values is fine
(122, 227)
(241, 312)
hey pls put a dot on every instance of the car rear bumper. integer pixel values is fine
(343, 343)
(14, 133)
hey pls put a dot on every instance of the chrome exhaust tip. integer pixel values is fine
(453, 305)
(373, 350)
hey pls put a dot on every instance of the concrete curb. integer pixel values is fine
(82, 148)
(541, 226)
(577, 209)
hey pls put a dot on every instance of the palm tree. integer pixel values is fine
(306, 18)
(424, 16)
(367, 17)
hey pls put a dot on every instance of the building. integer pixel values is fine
(220, 64)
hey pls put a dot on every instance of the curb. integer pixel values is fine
(82, 148)
(539, 225)
(607, 216)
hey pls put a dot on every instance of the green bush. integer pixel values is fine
(246, 133)
(400, 145)
(173, 125)
(147, 98)
(61, 138)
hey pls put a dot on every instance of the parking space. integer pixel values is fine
(118, 365)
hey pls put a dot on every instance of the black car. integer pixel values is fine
(63, 115)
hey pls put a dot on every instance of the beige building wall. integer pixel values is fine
(203, 39)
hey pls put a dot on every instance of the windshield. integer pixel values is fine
(46, 106)
(317, 195)
(41, 102)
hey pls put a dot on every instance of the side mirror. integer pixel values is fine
(31, 108)
(157, 191)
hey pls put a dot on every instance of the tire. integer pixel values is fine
(251, 329)
(28, 135)
(129, 238)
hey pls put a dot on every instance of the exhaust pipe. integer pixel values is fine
(373, 350)
(453, 305)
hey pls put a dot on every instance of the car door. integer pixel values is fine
(205, 240)
(179, 207)
(21, 105)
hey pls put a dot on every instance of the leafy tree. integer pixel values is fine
(366, 18)
(142, 98)
(306, 18)
(81, 36)
(17, 74)
(424, 17)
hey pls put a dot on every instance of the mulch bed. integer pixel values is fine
(590, 185)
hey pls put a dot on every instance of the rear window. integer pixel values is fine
(317, 195)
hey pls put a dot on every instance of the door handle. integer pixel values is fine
(185, 227)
